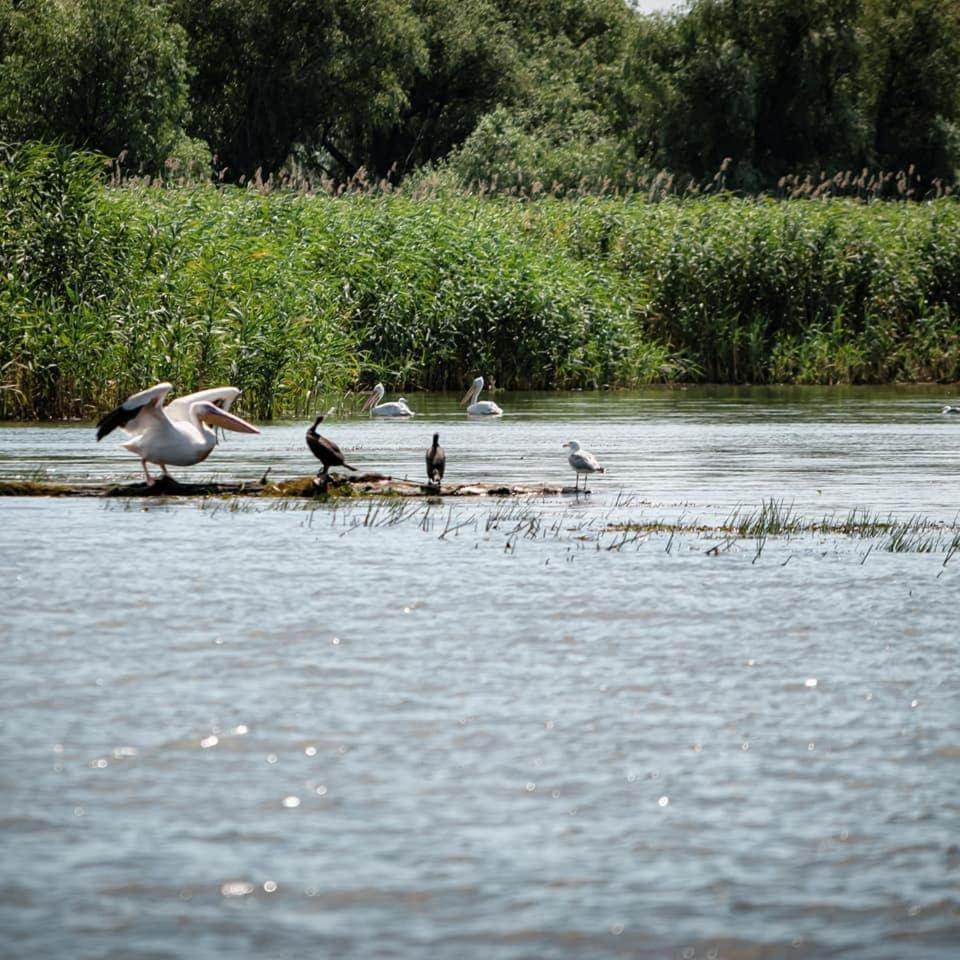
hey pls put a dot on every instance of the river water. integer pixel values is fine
(491, 729)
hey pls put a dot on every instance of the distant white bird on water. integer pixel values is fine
(396, 408)
(583, 462)
(948, 409)
(475, 406)
(178, 434)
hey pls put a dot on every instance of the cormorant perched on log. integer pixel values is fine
(436, 461)
(326, 451)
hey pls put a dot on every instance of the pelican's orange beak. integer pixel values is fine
(212, 414)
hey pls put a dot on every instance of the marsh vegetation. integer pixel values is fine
(296, 296)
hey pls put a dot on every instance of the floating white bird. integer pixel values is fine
(396, 408)
(477, 407)
(949, 409)
(583, 462)
(177, 434)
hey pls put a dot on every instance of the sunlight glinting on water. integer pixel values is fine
(492, 729)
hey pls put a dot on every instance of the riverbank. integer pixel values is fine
(297, 298)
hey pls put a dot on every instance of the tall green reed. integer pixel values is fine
(295, 296)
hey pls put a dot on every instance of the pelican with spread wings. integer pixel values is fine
(177, 434)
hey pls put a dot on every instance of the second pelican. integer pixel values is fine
(396, 408)
(475, 406)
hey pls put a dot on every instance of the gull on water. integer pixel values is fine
(583, 462)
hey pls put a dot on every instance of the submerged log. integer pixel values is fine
(164, 487)
(363, 485)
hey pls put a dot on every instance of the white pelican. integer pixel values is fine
(177, 434)
(583, 462)
(396, 408)
(479, 408)
(948, 409)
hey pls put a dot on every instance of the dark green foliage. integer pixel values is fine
(290, 297)
(110, 75)
(769, 83)
(472, 63)
(321, 77)
(912, 52)
(578, 96)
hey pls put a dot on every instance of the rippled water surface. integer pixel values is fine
(491, 729)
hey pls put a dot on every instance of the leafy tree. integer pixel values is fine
(912, 53)
(507, 152)
(692, 96)
(105, 74)
(769, 82)
(472, 65)
(557, 91)
(563, 126)
(319, 75)
(574, 53)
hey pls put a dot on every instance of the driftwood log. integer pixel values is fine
(363, 485)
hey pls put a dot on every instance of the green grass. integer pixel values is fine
(774, 518)
(295, 297)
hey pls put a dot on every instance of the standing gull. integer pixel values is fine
(476, 407)
(583, 462)
(436, 462)
(326, 451)
(396, 408)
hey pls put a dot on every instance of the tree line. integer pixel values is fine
(553, 94)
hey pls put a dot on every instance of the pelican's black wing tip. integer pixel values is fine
(118, 417)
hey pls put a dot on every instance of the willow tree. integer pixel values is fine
(272, 76)
(110, 75)
(911, 75)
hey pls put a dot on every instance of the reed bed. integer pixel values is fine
(297, 297)
(512, 523)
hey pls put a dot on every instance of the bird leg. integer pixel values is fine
(166, 478)
(146, 473)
